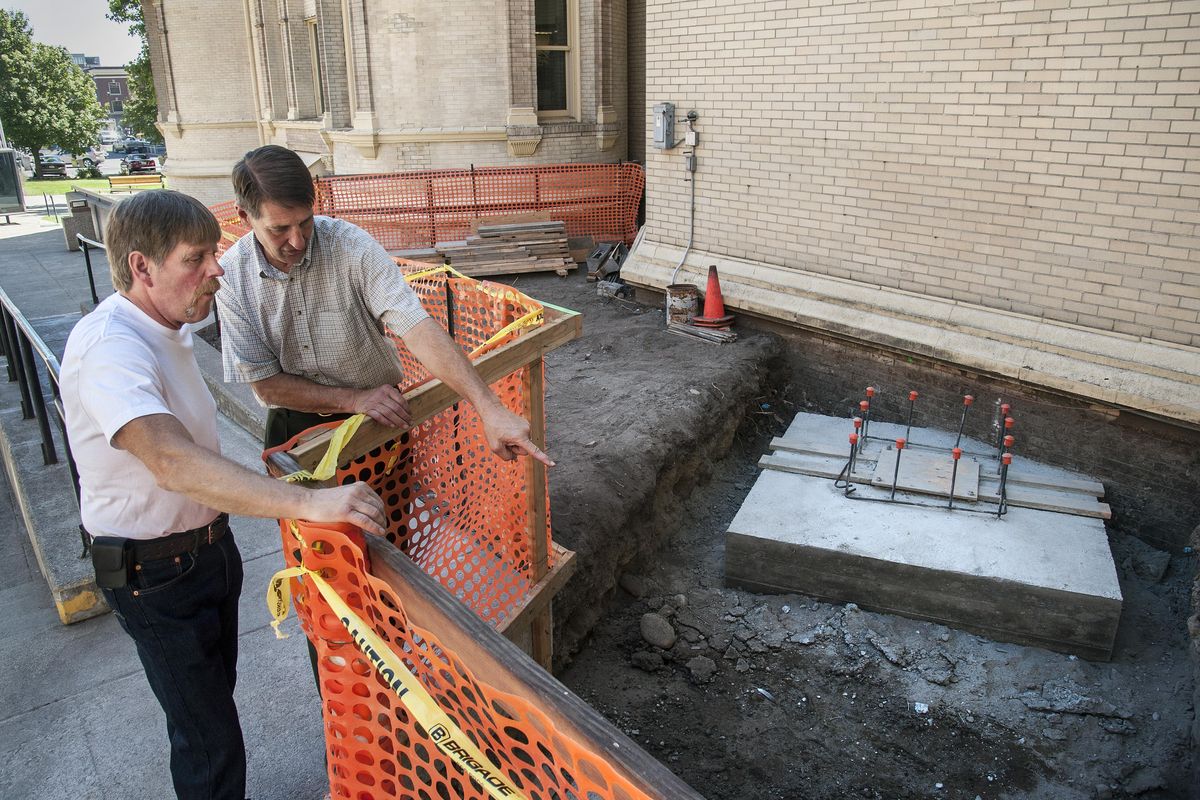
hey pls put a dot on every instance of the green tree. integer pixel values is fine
(141, 111)
(45, 99)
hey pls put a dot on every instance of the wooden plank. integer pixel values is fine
(560, 327)
(506, 269)
(512, 218)
(926, 472)
(533, 387)
(541, 595)
(1015, 476)
(1018, 496)
(818, 467)
(1044, 499)
(501, 664)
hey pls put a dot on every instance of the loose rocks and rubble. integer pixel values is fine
(878, 706)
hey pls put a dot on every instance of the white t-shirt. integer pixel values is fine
(120, 365)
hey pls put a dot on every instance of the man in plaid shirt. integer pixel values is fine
(303, 307)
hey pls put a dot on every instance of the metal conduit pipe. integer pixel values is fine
(690, 162)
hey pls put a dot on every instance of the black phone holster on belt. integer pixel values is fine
(111, 560)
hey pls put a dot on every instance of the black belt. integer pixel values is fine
(175, 544)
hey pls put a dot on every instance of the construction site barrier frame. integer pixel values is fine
(530, 624)
(418, 209)
(531, 728)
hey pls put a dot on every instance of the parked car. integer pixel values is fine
(132, 146)
(52, 166)
(108, 137)
(90, 158)
(138, 163)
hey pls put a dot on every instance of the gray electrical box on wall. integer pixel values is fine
(664, 126)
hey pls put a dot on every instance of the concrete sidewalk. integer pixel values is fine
(78, 720)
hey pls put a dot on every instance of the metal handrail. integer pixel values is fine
(86, 244)
(21, 343)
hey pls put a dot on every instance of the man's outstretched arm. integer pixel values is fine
(507, 433)
(180, 465)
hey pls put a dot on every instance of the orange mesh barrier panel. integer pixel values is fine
(376, 749)
(464, 517)
(411, 210)
(454, 507)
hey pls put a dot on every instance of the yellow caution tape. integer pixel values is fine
(327, 466)
(532, 318)
(425, 710)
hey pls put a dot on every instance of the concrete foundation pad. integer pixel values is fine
(1033, 577)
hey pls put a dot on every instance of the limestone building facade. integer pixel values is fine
(369, 86)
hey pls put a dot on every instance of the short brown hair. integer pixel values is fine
(272, 174)
(153, 223)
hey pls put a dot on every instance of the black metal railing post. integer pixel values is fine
(22, 342)
(49, 455)
(86, 244)
(15, 362)
(9, 349)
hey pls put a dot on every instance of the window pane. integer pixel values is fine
(552, 80)
(550, 22)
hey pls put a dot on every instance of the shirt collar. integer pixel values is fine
(268, 270)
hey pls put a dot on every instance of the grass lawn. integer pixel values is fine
(36, 187)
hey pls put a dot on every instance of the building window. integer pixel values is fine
(114, 88)
(314, 49)
(557, 58)
(115, 106)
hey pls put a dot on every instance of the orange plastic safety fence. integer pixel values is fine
(412, 210)
(455, 508)
(471, 310)
(376, 749)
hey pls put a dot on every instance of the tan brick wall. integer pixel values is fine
(1037, 156)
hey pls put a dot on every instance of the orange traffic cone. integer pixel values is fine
(714, 315)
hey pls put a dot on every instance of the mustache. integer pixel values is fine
(209, 287)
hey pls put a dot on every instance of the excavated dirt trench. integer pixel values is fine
(759, 696)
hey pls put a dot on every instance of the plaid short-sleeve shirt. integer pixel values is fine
(324, 320)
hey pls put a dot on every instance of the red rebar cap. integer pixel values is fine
(968, 399)
(863, 405)
(957, 453)
(1008, 422)
(854, 438)
(912, 396)
(857, 423)
(1008, 441)
(900, 443)
(1007, 459)
(1004, 408)
(870, 391)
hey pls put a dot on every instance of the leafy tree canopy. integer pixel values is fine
(45, 99)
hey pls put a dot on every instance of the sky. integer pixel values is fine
(80, 26)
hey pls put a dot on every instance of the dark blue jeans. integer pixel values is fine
(182, 614)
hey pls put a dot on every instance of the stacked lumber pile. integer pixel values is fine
(511, 248)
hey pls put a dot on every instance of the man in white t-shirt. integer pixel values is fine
(143, 431)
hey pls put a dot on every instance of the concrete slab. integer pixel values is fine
(1033, 577)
